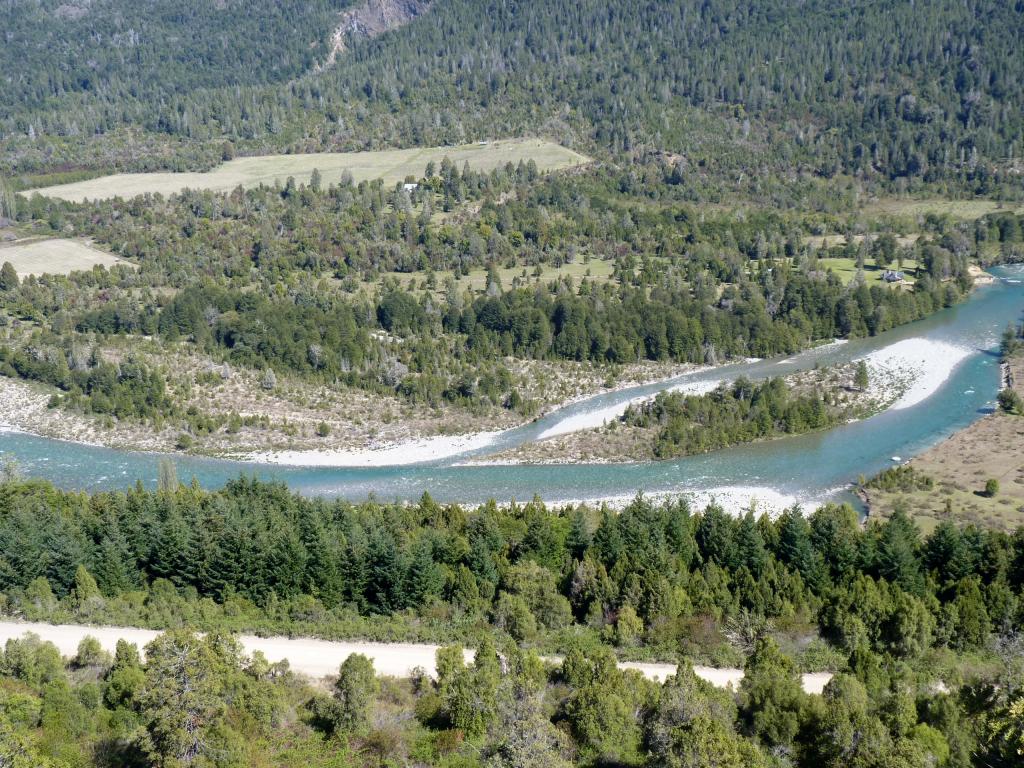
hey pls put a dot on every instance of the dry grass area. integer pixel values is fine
(992, 447)
(831, 241)
(392, 165)
(957, 209)
(54, 257)
(615, 443)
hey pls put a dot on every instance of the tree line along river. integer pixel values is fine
(807, 467)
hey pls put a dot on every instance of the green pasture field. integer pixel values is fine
(847, 268)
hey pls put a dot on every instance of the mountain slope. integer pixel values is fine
(900, 89)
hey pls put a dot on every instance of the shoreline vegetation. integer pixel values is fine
(403, 325)
(27, 407)
(899, 376)
(399, 439)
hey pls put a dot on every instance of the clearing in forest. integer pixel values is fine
(54, 257)
(391, 165)
(846, 269)
(957, 209)
(594, 270)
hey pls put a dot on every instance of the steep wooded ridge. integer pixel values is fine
(106, 49)
(894, 90)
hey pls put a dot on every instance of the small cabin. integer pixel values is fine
(410, 187)
(893, 276)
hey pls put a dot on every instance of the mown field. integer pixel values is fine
(391, 165)
(846, 269)
(54, 257)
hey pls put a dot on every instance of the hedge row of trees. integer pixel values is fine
(639, 577)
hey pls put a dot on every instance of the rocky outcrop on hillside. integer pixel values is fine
(372, 18)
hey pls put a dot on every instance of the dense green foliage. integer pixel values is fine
(901, 478)
(740, 412)
(200, 701)
(642, 577)
(126, 390)
(890, 611)
(103, 53)
(304, 280)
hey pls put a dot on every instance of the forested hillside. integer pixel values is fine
(110, 51)
(893, 90)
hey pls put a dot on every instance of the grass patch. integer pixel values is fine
(846, 269)
(55, 257)
(596, 270)
(392, 165)
(957, 209)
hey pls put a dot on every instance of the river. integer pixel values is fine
(807, 468)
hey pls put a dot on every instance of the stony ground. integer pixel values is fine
(618, 442)
(289, 416)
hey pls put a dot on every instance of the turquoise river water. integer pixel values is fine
(809, 466)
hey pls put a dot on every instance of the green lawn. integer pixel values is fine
(847, 268)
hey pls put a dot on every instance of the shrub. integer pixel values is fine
(1011, 402)
(991, 487)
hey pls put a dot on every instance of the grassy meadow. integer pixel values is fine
(54, 257)
(392, 165)
(966, 210)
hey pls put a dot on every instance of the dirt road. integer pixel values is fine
(318, 658)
